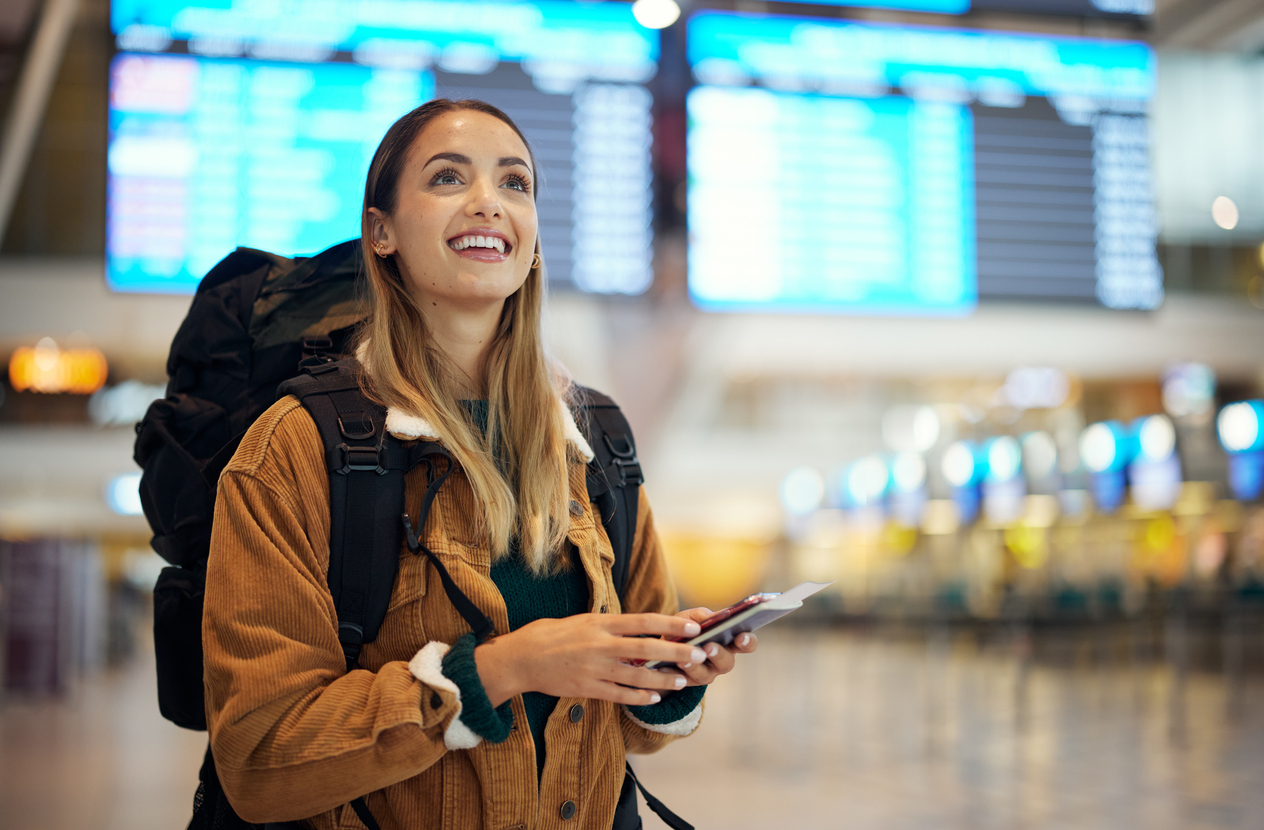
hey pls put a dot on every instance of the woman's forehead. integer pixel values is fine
(470, 133)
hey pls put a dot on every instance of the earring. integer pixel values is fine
(535, 261)
(380, 251)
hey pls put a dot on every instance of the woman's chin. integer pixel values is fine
(471, 296)
(488, 283)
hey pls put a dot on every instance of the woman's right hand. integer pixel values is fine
(587, 655)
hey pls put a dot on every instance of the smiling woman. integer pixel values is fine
(419, 731)
(455, 320)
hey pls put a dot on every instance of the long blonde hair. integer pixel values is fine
(518, 468)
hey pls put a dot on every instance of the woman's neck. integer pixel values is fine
(465, 337)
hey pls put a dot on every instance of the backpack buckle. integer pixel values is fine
(351, 638)
(356, 428)
(625, 450)
(625, 460)
(345, 459)
(629, 471)
(316, 352)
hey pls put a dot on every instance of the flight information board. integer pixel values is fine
(932, 6)
(897, 169)
(252, 123)
(1069, 8)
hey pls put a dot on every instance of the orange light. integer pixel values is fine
(47, 368)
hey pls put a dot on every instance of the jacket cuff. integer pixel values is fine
(478, 715)
(427, 666)
(676, 714)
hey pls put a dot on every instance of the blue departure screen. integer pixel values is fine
(801, 201)
(897, 169)
(933, 6)
(206, 155)
(252, 123)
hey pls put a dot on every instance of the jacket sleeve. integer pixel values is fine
(292, 732)
(650, 589)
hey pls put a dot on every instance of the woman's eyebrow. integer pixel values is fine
(458, 158)
(455, 158)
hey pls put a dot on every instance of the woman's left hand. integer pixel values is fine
(720, 659)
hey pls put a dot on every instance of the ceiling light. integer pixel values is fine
(655, 14)
(1224, 213)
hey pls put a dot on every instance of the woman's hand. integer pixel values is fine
(587, 655)
(720, 659)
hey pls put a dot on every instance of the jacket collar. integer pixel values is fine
(406, 426)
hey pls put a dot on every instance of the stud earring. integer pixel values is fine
(535, 261)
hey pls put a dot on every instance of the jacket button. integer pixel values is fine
(568, 810)
(577, 509)
(577, 713)
(435, 700)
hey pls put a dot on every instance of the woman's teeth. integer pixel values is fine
(478, 242)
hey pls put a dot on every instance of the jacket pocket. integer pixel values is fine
(410, 580)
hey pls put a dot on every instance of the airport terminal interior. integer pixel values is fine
(954, 305)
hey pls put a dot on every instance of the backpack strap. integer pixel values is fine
(614, 480)
(366, 467)
(669, 818)
(366, 495)
(471, 613)
(614, 476)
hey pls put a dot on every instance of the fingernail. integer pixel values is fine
(680, 682)
(744, 640)
(712, 649)
(655, 697)
(685, 665)
(692, 629)
(698, 655)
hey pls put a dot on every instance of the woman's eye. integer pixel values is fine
(445, 177)
(516, 183)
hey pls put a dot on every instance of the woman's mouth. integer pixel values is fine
(485, 247)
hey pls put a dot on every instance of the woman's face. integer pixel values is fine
(464, 226)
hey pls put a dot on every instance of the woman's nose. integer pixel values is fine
(484, 201)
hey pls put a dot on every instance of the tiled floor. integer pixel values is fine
(818, 730)
(102, 758)
(832, 730)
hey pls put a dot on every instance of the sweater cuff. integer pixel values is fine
(678, 713)
(477, 714)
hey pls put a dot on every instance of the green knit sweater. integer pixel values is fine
(529, 598)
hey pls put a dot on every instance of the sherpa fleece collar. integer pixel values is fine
(406, 426)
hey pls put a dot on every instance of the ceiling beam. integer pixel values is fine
(35, 84)
(1219, 25)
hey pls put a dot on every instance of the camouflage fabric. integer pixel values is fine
(308, 298)
(242, 337)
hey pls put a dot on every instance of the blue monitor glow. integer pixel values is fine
(870, 168)
(932, 6)
(1070, 8)
(252, 123)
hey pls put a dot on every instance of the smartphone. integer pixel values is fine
(733, 610)
(754, 612)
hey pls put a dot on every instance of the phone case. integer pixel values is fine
(750, 614)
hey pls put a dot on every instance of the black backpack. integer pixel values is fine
(263, 326)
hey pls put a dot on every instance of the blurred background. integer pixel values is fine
(958, 304)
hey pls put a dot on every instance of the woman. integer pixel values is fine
(438, 731)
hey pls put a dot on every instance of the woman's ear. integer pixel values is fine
(381, 232)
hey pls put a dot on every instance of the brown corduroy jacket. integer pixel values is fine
(296, 736)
